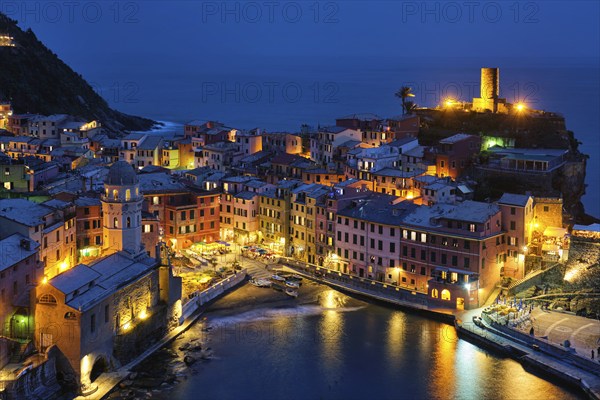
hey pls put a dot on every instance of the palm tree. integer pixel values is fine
(410, 106)
(403, 94)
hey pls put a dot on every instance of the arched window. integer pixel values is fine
(116, 222)
(106, 192)
(128, 195)
(128, 222)
(115, 194)
(445, 294)
(70, 315)
(137, 192)
(47, 299)
(434, 293)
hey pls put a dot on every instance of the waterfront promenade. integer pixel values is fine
(543, 354)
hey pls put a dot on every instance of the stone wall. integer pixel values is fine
(141, 336)
(569, 180)
(38, 383)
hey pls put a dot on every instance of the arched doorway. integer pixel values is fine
(100, 366)
(20, 324)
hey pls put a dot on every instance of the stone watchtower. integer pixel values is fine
(122, 211)
(490, 92)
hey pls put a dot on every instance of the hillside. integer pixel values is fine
(35, 80)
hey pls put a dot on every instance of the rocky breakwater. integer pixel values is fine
(177, 364)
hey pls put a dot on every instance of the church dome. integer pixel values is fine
(120, 174)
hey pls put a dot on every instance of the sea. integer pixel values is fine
(262, 344)
(284, 95)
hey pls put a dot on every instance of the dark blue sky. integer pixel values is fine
(92, 35)
(160, 58)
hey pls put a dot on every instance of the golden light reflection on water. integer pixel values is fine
(331, 328)
(443, 379)
(395, 339)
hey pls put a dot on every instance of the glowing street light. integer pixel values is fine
(449, 102)
(520, 107)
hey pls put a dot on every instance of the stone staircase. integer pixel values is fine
(17, 354)
(255, 271)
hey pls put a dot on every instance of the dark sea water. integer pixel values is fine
(284, 94)
(326, 345)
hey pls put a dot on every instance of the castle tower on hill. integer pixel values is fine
(490, 93)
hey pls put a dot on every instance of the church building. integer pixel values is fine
(96, 317)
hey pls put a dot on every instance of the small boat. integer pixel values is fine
(277, 287)
(260, 282)
(292, 284)
(278, 278)
(295, 277)
(291, 292)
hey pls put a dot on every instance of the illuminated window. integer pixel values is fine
(128, 195)
(116, 194)
(434, 293)
(445, 294)
(155, 200)
(115, 222)
(70, 315)
(47, 299)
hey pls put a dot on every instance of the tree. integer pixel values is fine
(410, 106)
(404, 93)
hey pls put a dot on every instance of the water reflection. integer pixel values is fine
(443, 382)
(395, 340)
(331, 328)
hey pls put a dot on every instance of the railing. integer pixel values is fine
(366, 286)
(545, 346)
(200, 297)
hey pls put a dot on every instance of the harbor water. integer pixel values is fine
(327, 345)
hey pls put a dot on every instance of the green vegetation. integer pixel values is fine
(35, 80)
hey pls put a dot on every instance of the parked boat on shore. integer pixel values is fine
(291, 292)
(292, 284)
(261, 282)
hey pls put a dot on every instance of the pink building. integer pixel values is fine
(451, 253)
(20, 271)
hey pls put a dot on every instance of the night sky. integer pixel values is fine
(175, 35)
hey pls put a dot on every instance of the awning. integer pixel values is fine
(553, 231)
(464, 189)
(458, 271)
(550, 247)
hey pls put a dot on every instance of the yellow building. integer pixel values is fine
(274, 215)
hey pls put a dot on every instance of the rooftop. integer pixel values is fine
(363, 117)
(24, 211)
(87, 202)
(467, 211)
(246, 195)
(332, 129)
(159, 182)
(528, 152)
(456, 138)
(121, 173)
(12, 252)
(378, 208)
(101, 279)
(150, 142)
(512, 199)
(398, 173)
(402, 141)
